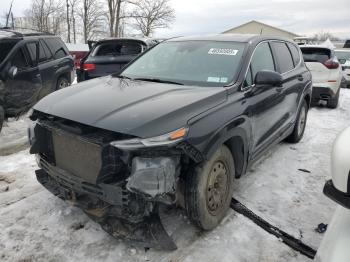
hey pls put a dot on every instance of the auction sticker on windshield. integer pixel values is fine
(222, 51)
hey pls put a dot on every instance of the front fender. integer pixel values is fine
(235, 134)
(65, 70)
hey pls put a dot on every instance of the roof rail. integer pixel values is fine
(21, 31)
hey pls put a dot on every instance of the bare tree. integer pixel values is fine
(150, 15)
(92, 18)
(116, 13)
(323, 36)
(73, 4)
(68, 22)
(46, 15)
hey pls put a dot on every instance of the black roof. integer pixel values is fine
(244, 38)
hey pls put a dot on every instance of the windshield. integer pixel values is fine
(5, 48)
(342, 55)
(201, 63)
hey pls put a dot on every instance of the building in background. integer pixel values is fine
(255, 27)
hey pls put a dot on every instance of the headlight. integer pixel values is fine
(163, 140)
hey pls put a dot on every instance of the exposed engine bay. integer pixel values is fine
(122, 190)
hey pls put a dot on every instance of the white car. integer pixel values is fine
(326, 74)
(335, 244)
(343, 56)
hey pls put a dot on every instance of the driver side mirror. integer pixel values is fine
(268, 78)
(12, 72)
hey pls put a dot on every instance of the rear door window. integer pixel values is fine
(295, 53)
(262, 60)
(44, 52)
(33, 52)
(57, 47)
(283, 57)
(117, 49)
(315, 54)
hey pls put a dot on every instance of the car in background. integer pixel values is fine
(343, 56)
(347, 44)
(32, 65)
(326, 74)
(78, 52)
(335, 244)
(175, 127)
(109, 56)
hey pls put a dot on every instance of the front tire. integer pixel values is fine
(62, 82)
(209, 189)
(333, 102)
(300, 124)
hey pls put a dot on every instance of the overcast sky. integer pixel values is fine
(215, 16)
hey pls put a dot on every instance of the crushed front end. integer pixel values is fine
(121, 189)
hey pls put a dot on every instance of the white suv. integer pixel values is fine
(326, 74)
(335, 244)
(344, 58)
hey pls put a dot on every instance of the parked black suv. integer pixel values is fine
(32, 65)
(176, 126)
(109, 56)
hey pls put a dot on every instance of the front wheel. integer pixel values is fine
(209, 189)
(62, 82)
(333, 102)
(300, 124)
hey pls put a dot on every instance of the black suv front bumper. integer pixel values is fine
(120, 213)
(122, 193)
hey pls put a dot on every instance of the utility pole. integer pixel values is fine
(8, 15)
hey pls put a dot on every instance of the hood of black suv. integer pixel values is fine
(138, 108)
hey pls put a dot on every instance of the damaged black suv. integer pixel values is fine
(176, 126)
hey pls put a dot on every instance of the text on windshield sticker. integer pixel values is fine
(222, 51)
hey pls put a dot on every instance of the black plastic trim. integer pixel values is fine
(338, 196)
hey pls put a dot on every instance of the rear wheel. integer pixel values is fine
(62, 82)
(300, 124)
(333, 102)
(209, 189)
(2, 117)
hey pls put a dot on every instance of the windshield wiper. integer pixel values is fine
(157, 80)
(123, 77)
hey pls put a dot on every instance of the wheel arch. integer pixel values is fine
(307, 98)
(307, 94)
(235, 136)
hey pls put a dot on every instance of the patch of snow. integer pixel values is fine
(14, 132)
(77, 47)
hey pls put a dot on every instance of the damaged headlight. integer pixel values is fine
(163, 140)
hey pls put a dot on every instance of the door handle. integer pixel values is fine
(300, 78)
(37, 75)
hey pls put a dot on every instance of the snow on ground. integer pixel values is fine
(13, 136)
(36, 226)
